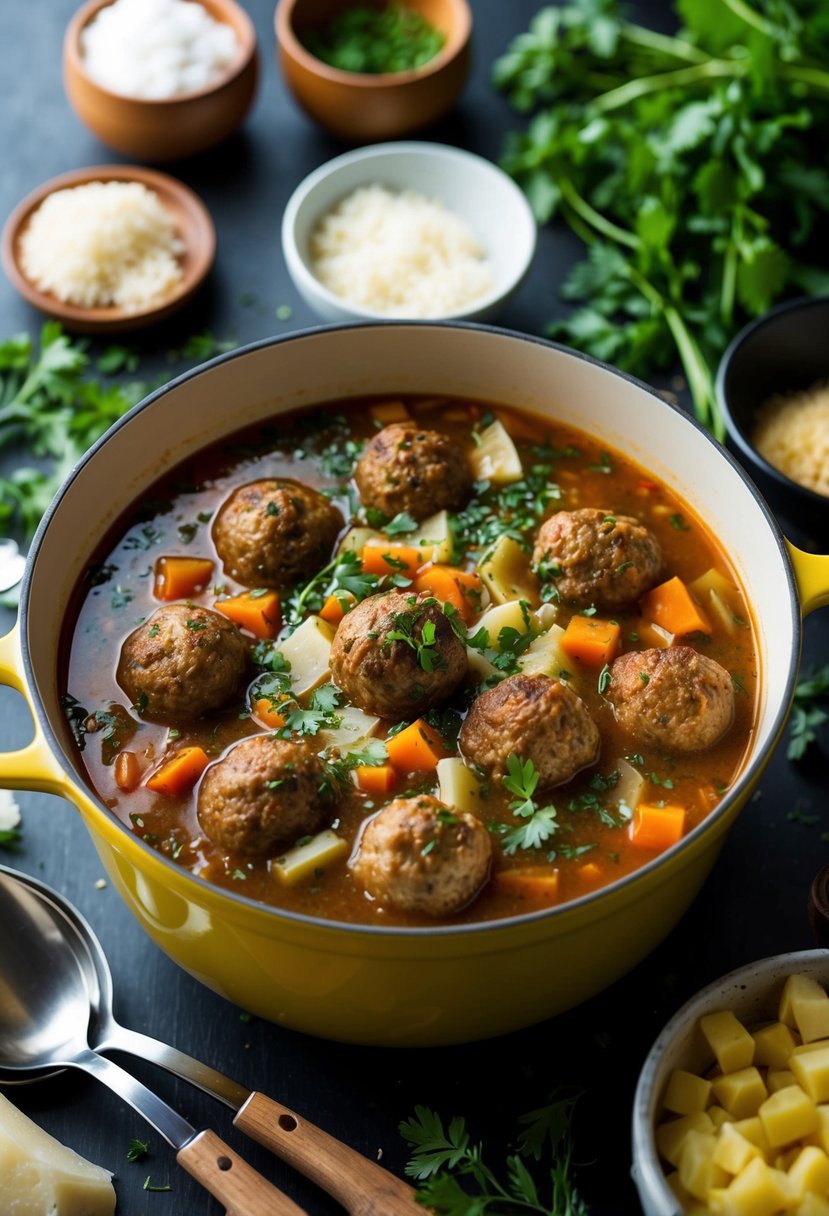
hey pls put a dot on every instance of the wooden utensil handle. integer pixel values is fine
(363, 1188)
(232, 1181)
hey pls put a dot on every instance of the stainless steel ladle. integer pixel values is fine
(44, 1024)
(54, 973)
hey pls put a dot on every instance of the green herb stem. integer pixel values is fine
(679, 78)
(600, 223)
(662, 44)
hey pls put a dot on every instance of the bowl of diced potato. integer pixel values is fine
(731, 1114)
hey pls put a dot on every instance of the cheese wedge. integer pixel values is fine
(41, 1177)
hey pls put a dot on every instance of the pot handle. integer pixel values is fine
(811, 572)
(32, 767)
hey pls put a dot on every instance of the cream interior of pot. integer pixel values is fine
(328, 364)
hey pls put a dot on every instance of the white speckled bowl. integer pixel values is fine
(473, 188)
(752, 993)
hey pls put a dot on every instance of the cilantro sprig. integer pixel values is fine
(521, 780)
(454, 1179)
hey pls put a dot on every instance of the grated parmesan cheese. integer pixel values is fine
(103, 244)
(792, 433)
(9, 811)
(400, 254)
(157, 49)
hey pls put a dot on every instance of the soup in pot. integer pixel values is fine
(411, 662)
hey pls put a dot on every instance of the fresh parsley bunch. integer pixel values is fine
(693, 167)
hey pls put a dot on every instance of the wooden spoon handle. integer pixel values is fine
(363, 1188)
(232, 1181)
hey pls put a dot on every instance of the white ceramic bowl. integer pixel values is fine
(753, 994)
(470, 186)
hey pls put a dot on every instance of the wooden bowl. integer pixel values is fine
(193, 224)
(362, 107)
(169, 128)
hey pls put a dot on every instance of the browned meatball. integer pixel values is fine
(182, 662)
(420, 856)
(407, 468)
(264, 793)
(595, 557)
(275, 533)
(401, 675)
(674, 698)
(535, 718)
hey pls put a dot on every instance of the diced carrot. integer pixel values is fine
(381, 557)
(179, 578)
(375, 778)
(534, 883)
(333, 610)
(672, 606)
(257, 612)
(180, 773)
(389, 411)
(591, 640)
(266, 712)
(645, 486)
(657, 827)
(416, 749)
(460, 588)
(127, 771)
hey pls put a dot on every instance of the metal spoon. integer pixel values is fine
(362, 1187)
(44, 1020)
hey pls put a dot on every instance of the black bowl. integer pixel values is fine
(784, 351)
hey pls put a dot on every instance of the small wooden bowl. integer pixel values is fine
(361, 107)
(169, 128)
(193, 224)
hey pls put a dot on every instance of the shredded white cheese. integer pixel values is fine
(400, 254)
(157, 49)
(102, 244)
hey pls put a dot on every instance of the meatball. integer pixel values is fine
(674, 698)
(264, 793)
(419, 856)
(275, 533)
(406, 468)
(182, 662)
(595, 557)
(535, 718)
(396, 655)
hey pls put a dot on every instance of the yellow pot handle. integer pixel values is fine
(811, 572)
(33, 767)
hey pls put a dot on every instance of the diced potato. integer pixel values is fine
(494, 458)
(434, 537)
(733, 1151)
(810, 1171)
(821, 1136)
(354, 726)
(678, 1190)
(698, 1172)
(805, 1005)
(812, 1072)
(812, 1205)
(757, 1190)
(308, 650)
(670, 1137)
(458, 786)
(718, 1116)
(544, 655)
(315, 854)
(686, 1092)
(773, 1045)
(506, 573)
(805, 1049)
(787, 1115)
(715, 592)
(752, 1129)
(779, 1078)
(628, 789)
(728, 1039)
(357, 538)
(545, 615)
(500, 616)
(740, 1092)
(389, 411)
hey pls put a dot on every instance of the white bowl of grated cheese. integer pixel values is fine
(408, 230)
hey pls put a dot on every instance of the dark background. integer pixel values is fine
(753, 905)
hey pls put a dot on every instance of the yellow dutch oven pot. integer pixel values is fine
(393, 986)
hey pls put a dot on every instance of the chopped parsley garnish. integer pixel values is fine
(419, 637)
(807, 716)
(521, 780)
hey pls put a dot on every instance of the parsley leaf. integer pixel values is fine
(521, 780)
(807, 717)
